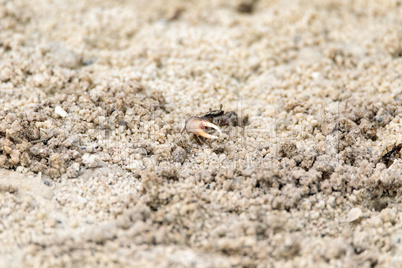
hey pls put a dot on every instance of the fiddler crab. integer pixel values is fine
(212, 119)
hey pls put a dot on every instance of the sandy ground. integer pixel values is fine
(94, 169)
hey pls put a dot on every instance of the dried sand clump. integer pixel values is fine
(39, 140)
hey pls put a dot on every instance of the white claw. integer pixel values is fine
(208, 124)
(197, 125)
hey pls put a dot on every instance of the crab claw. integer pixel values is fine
(197, 126)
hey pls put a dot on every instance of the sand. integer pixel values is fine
(95, 171)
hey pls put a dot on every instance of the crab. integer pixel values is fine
(220, 118)
(212, 119)
(391, 153)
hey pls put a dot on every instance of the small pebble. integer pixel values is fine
(354, 214)
(58, 110)
(179, 155)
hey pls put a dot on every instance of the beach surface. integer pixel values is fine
(95, 170)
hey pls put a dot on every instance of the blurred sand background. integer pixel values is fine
(94, 169)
